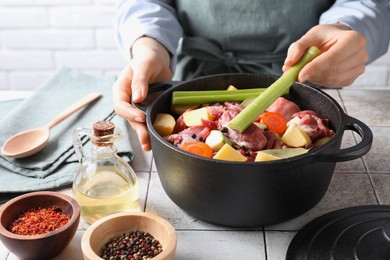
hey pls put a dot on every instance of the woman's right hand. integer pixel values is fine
(149, 64)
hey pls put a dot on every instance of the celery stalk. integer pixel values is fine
(183, 93)
(280, 87)
(211, 96)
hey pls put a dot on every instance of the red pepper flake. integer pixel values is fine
(38, 221)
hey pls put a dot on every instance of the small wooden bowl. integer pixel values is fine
(107, 228)
(42, 246)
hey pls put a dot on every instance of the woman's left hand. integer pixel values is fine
(343, 59)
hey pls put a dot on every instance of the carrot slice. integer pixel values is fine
(274, 122)
(198, 148)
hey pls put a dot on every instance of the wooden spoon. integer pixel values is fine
(32, 141)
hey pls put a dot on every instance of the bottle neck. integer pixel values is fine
(107, 150)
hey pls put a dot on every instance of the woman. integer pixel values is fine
(262, 36)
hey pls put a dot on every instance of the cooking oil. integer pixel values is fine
(104, 184)
(107, 192)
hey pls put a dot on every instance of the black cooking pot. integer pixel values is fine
(244, 194)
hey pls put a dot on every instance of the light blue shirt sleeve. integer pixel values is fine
(369, 17)
(157, 19)
(153, 18)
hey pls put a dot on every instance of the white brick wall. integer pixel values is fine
(39, 36)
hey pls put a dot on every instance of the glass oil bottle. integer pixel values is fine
(105, 183)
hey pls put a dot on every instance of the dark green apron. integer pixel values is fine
(224, 36)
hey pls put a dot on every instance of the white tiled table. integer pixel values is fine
(365, 181)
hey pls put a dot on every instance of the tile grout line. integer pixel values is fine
(265, 244)
(373, 188)
(147, 190)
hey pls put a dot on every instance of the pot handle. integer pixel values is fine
(353, 152)
(154, 91)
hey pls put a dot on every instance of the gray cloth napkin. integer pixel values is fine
(56, 165)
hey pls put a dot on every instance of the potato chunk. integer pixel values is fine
(231, 88)
(228, 153)
(180, 109)
(194, 117)
(164, 124)
(295, 137)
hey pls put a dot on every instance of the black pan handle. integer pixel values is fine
(353, 152)
(154, 91)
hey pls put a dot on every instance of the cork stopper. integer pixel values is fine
(103, 128)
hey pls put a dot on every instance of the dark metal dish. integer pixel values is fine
(251, 194)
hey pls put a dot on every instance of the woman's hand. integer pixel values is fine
(342, 61)
(150, 64)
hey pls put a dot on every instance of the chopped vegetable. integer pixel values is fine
(231, 87)
(216, 139)
(212, 96)
(280, 87)
(274, 122)
(296, 120)
(247, 101)
(164, 124)
(180, 109)
(198, 148)
(322, 141)
(276, 154)
(295, 137)
(228, 153)
(194, 117)
(260, 125)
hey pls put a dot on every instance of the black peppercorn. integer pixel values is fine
(133, 245)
